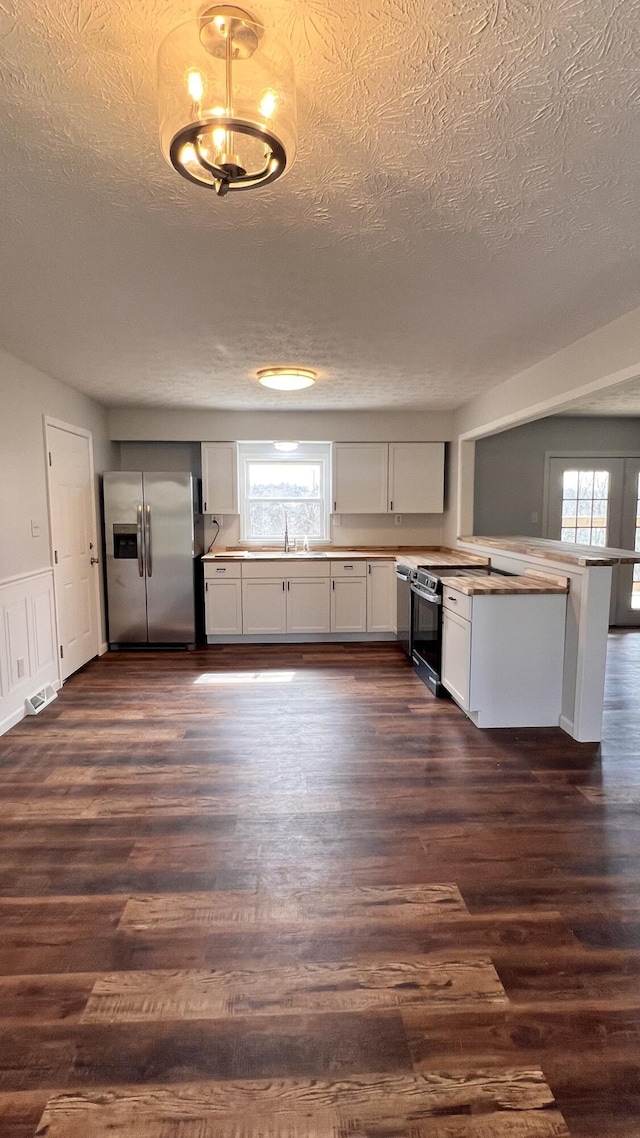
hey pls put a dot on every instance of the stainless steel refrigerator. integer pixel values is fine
(150, 539)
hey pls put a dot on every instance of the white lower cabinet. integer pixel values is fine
(502, 661)
(308, 604)
(285, 605)
(264, 606)
(456, 657)
(318, 598)
(349, 604)
(223, 607)
(381, 596)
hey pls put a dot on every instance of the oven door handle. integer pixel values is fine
(433, 598)
(403, 576)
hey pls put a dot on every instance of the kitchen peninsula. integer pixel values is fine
(588, 570)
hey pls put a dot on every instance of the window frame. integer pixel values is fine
(264, 452)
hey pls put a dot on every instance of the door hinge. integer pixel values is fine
(61, 652)
(50, 462)
(55, 556)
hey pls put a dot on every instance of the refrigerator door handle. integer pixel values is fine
(148, 543)
(139, 539)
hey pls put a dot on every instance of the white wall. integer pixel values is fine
(28, 646)
(26, 395)
(510, 466)
(300, 426)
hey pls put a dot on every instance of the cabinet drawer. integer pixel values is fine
(457, 602)
(348, 568)
(221, 570)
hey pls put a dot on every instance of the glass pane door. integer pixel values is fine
(585, 506)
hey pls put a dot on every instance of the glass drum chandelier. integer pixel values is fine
(226, 100)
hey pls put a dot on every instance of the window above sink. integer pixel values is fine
(284, 487)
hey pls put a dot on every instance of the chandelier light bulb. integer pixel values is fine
(226, 100)
(286, 378)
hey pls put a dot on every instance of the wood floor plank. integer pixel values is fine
(349, 905)
(470, 1104)
(199, 994)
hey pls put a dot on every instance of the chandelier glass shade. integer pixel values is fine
(226, 100)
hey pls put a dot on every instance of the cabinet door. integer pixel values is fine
(223, 607)
(416, 478)
(381, 596)
(308, 604)
(456, 656)
(219, 478)
(264, 607)
(360, 475)
(349, 604)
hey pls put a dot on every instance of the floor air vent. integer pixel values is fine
(35, 703)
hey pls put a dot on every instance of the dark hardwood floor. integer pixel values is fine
(282, 892)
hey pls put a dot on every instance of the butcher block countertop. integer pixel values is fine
(563, 551)
(532, 582)
(429, 555)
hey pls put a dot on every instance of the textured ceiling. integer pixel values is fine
(464, 202)
(623, 399)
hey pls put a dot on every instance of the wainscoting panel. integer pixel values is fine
(28, 656)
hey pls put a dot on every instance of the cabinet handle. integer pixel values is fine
(454, 599)
(369, 568)
(206, 586)
(333, 584)
(204, 507)
(283, 586)
(335, 507)
(347, 566)
(288, 585)
(391, 506)
(221, 569)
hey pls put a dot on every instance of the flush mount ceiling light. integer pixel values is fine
(286, 378)
(226, 99)
(286, 447)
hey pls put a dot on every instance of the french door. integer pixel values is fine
(595, 500)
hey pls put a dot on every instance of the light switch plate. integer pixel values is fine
(35, 528)
(398, 519)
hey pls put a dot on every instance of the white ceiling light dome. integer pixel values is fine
(286, 378)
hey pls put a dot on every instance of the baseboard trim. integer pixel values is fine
(566, 724)
(305, 638)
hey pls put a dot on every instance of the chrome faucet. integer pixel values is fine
(286, 532)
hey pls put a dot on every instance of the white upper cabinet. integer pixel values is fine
(416, 478)
(360, 476)
(219, 478)
(388, 478)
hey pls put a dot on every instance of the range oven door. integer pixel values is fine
(403, 578)
(426, 637)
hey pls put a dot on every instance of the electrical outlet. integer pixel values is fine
(20, 666)
(217, 520)
(398, 519)
(337, 520)
(35, 528)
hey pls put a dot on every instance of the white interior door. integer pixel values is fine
(74, 544)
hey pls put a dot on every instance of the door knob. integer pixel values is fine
(94, 560)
